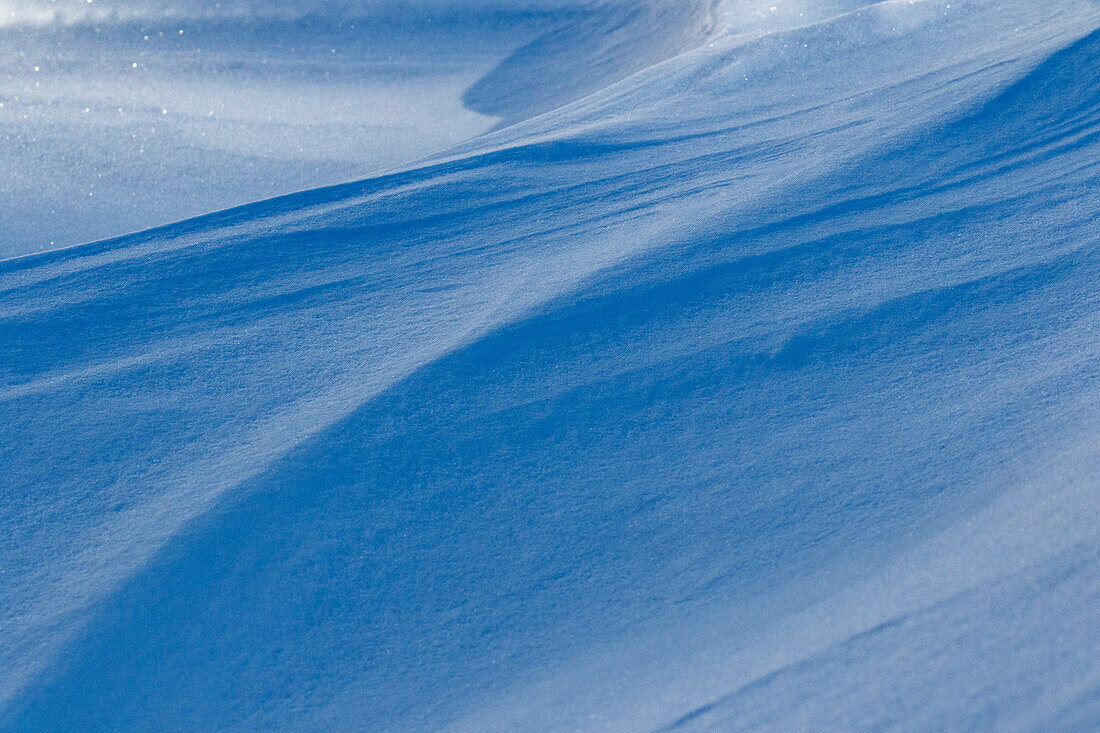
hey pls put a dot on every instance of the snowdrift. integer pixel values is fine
(121, 116)
(747, 385)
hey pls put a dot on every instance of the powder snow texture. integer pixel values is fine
(752, 388)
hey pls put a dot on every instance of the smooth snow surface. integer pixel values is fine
(117, 125)
(743, 376)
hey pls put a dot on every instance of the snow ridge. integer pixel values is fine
(730, 378)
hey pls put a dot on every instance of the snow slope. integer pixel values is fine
(120, 116)
(116, 117)
(753, 390)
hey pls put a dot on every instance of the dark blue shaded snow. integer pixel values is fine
(750, 383)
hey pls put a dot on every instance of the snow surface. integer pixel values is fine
(742, 377)
(122, 124)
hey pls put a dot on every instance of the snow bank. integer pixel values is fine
(755, 389)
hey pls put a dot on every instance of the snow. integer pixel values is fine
(118, 126)
(718, 367)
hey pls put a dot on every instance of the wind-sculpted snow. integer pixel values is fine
(592, 49)
(69, 12)
(755, 390)
(112, 127)
(121, 116)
